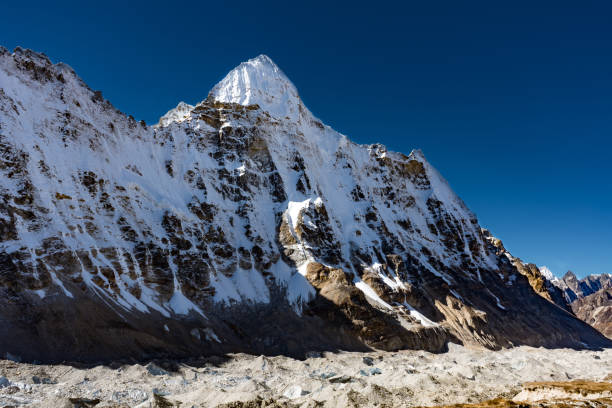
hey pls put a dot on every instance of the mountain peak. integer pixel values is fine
(178, 114)
(259, 81)
(569, 275)
(263, 60)
(546, 272)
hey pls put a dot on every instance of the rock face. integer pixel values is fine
(596, 310)
(574, 288)
(540, 279)
(590, 299)
(240, 224)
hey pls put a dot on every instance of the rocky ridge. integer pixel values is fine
(590, 299)
(242, 223)
(539, 278)
(574, 288)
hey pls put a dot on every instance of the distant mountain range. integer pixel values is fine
(240, 224)
(590, 298)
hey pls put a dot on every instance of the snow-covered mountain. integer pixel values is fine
(547, 273)
(240, 224)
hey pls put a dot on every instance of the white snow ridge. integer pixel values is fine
(260, 82)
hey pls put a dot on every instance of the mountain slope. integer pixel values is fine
(596, 310)
(540, 279)
(240, 224)
(590, 298)
(574, 288)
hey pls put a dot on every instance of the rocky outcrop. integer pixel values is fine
(239, 224)
(574, 288)
(540, 283)
(590, 298)
(596, 310)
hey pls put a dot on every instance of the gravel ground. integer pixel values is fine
(375, 379)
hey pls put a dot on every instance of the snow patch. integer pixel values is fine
(547, 273)
(420, 317)
(369, 292)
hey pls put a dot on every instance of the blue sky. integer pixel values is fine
(511, 102)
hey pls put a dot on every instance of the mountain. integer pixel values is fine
(242, 223)
(596, 310)
(574, 288)
(541, 279)
(590, 298)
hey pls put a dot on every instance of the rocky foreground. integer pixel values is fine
(374, 379)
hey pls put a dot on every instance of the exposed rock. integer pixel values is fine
(242, 224)
(4, 382)
(575, 288)
(596, 310)
(540, 283)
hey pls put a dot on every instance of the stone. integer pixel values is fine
(369, 361)
(4, 382)
(341, 379)
(154, 369)
(294, 391)
(375, 371)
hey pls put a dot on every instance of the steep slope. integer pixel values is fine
(574, 288)
(596, 310)
(590, 298)
(240, 224)
(540, 279)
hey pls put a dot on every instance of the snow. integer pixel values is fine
(420, 317)
(259, 81)
(211, 335)
(181, 305)
(512, 279)
(497, 301)
(299, 290)
(293, 210)
(132, 163)
(546, 273)
(178, 114)
(369, 292)
(41, 293)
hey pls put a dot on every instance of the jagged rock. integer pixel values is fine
(590, 299)
(243, 214)
(574, 288)
(540, 283)
(596, 310)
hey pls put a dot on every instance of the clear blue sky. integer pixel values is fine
(511, 102)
